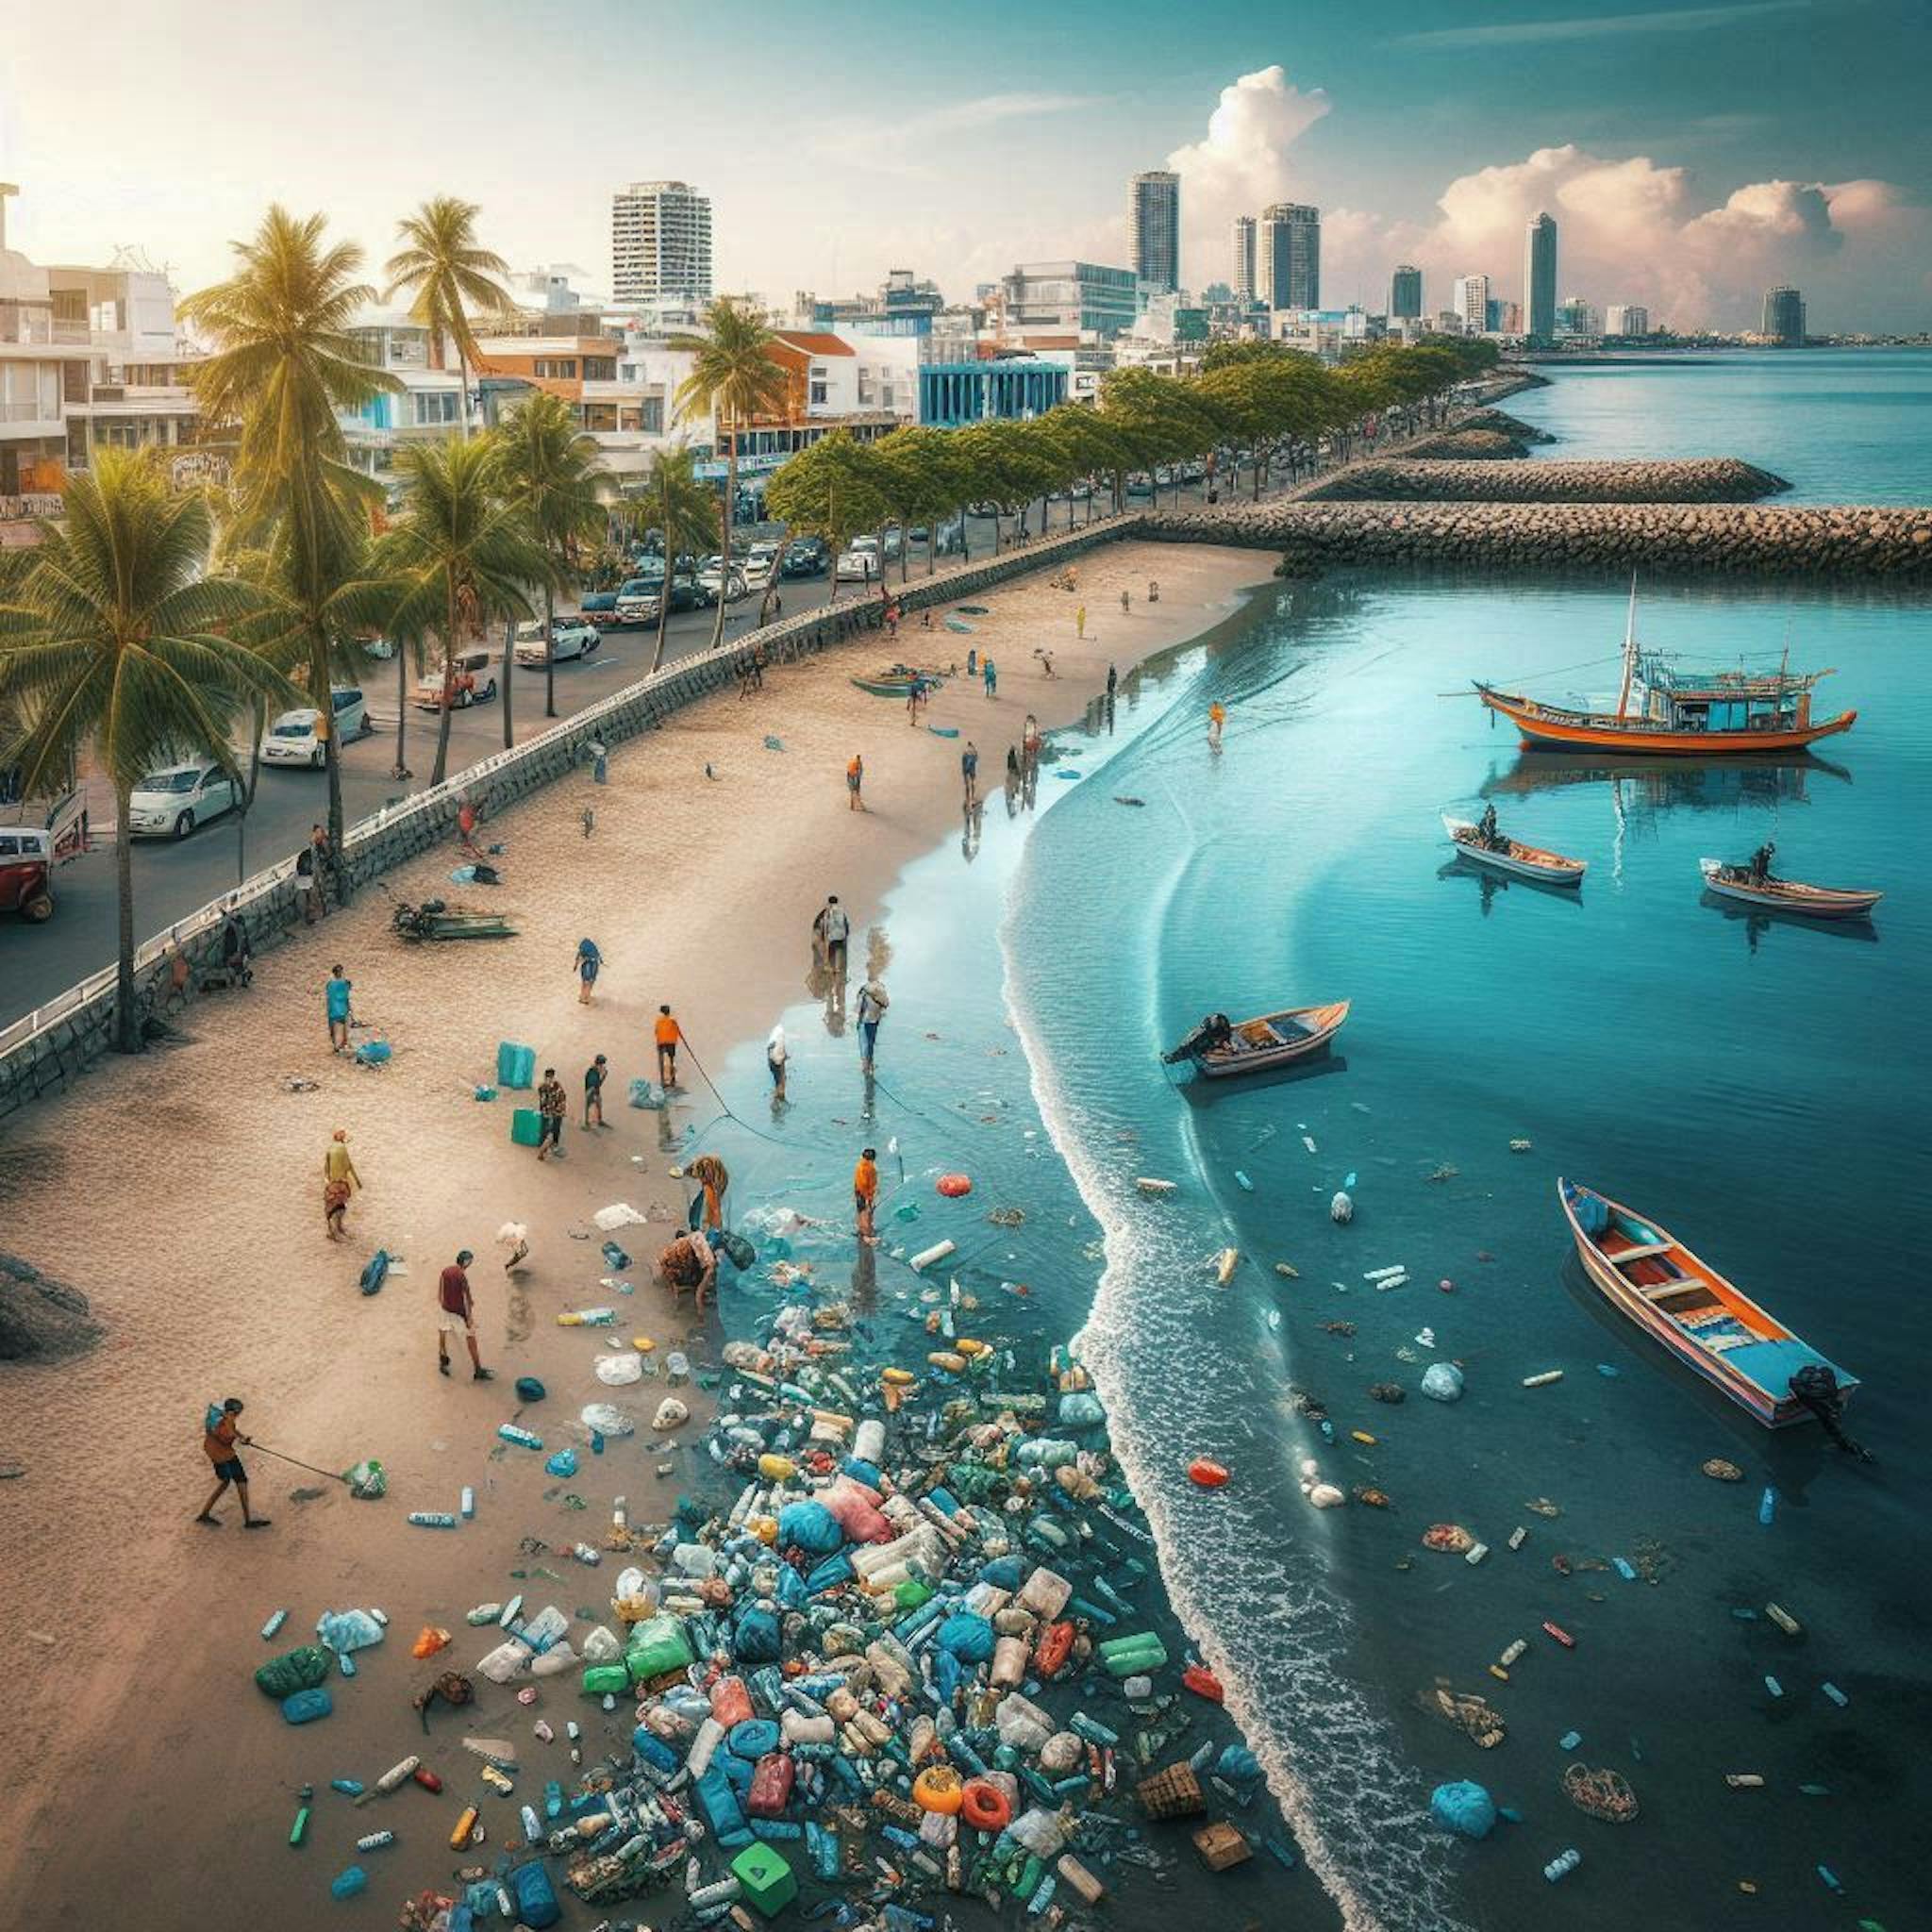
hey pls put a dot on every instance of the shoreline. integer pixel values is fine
(254, 1299)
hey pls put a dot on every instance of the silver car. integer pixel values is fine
(170, 803)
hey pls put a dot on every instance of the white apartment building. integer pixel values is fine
(660, 243)
(1626, 319)
(1470, 298)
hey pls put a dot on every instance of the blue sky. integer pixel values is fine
(1698, 150)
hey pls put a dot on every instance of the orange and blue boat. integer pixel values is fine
(1646, 1273)
(1662, 711)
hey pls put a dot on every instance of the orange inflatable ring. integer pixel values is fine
(984, 1806)
(954, 1185)
(938, 1789)
(1208, 1475)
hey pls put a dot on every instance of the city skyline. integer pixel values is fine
(1693, 156)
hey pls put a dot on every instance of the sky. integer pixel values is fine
(1691, 154)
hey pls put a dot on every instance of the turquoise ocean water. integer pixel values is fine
(1758, 1087)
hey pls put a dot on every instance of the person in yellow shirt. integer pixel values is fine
(669, 1033)
(338, 1181)
(865, 1189)
(1217, 717)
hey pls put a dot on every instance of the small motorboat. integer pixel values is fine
(1648, 1275)
(1514, 856)
(1220, 1046)
(1785, 895)
(896, 681)
(433, 920)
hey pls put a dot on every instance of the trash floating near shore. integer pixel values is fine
(1149, 1185)
(1543, 1380)
(1286, 1271)
(1224, 1264)
(1723, 1472)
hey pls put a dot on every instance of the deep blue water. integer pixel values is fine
(1758, 1087)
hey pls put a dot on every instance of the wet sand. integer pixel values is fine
(182, 1192)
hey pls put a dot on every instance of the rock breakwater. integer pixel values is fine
(1702, 479)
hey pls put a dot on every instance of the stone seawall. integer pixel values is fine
(1702, 479)
(1726, 540)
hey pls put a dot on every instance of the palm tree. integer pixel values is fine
(114, 639)
(447, 275)
(459, 555)
(734, 378)
(550, 471)
(686, 513)
(284, 368)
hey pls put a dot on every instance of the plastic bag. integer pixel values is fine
(643, 1094)
(343, 1631)
(563, 1463)
(616, 1370)
(601, 1648)
(1443, 1381)
(619, 1214)
(295, 1670)
(429, 1640)
(607, 1419)
(669, 1413)
(367, 1481)
(504, 1664)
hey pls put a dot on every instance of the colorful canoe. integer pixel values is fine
(1271, 1040)
(1646, 1273)
(1523, 861)
(1786, 895)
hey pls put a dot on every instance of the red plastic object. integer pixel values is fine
(954, 1185)
(984, 1806)
(1055, 1646)
(426, 1778)
(1562, 1636)
(770, 1785)
(1208, 1475)
(731, 1702)
(1203, 1683)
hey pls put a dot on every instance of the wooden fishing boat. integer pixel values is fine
(1786, 895)
(439, 922)
(1680, 713)
(1647, 1274)
(1523, 861)
(1270, 1039)
(895, 681)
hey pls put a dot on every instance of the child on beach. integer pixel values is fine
(594, 1076)
(219, 1436)
(669, 1033)
(865, 1190)
(988, 675)
(855, 783)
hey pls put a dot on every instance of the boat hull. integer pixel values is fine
(1806, 902)
(1325, 1024)
(1544, 728)
(1775, 1410)
(1545, 868)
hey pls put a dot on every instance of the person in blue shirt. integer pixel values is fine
(589, 961)
(337, 993)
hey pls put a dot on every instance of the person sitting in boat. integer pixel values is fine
(1486, 832)
(1760, 869)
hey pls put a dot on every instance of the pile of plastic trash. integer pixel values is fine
(902, 1661)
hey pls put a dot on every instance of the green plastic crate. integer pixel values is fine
(527, 1127)
(768, 1881)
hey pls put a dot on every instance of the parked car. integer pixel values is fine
(710, 576)
(859, 561)
(637, 602)
(292, 738)
(761, 561)
(170, 803)
(600, 606)
(475, 683)
(382, 648)
(806, 557)
(571, 638)
(28, 854)
(894, 541)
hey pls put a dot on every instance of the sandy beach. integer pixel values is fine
(182, 1193)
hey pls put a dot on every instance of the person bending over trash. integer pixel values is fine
(690, 1263)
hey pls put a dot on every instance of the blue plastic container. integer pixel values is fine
(305, 1706)
(516, 1066)
(535, 1896)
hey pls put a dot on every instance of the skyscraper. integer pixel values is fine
(1784, 317)
(1540, 278)
(1626, 319)
(660, 243)
(1244, 257)
(1154, 230)
(1405, 294)
(1471, 301)
(1291, 255)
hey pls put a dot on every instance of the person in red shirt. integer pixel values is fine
(221, 1432)
(457, 1316)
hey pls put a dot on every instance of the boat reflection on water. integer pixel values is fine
(1494, 884)
(1207, 1094)
(1758, 921)
(1661, 783)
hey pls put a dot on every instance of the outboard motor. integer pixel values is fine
(1815, 1387)
(1217, 1029)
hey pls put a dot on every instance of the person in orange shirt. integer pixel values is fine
(1217, 717)
(669, 1034)
(854, 782)
(865, 1189)
(221, 1435)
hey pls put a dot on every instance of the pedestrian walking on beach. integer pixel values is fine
(1217, 717)
(1153, 592)
(551, 1106)
(969, 773)
(220, 1434)
(1045, 657)
(713, 1177)
(865, 1190)
(308, 885)
(336, 994)
(855, 783)
(873, 1002)
(1127, 601)
(1012, 770)
(1080, 621)
(832, 930)
(669, 1034)
(589, 960)
(457, 1315)
(777, 1060)
(990, 674)
(690, 1263)
(1113, 681)
(338, 1181)
(466, 827)
(594, 1076)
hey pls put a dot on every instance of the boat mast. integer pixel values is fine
(1629, 651)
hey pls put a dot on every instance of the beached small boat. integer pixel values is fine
(1647, 1274)
(1220, 1046)
(434, 920)
(895, 681)
(1514, 856)
(1786, 895)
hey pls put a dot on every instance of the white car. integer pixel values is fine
(858, 563)
(712, 579)
(571, 638)
(761, 561)
(170, 803)
(291, 740)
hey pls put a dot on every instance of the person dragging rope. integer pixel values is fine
(221, 1434)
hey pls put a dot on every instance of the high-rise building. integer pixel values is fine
(660, 243)
(1470, 300)
(1784, 317)
(1405, 292)
(1626, 319)
(1577, 317)
(1154, 230)
(1289, 255)
(1244, 283)
(1540, 278)
(1070, 297)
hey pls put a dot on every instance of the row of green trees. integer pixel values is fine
(1258, 406)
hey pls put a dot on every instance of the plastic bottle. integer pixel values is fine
(348, 1884)
(375, 1840)
(586, 1555)
(274, 1623)
(349, 1786)
(432, 1519)
(522, 1438)
(1767, 1505)
(1837, 1696)
(1562, 1865)
(299, 1830)
(533, 1830)
(469, 1502)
